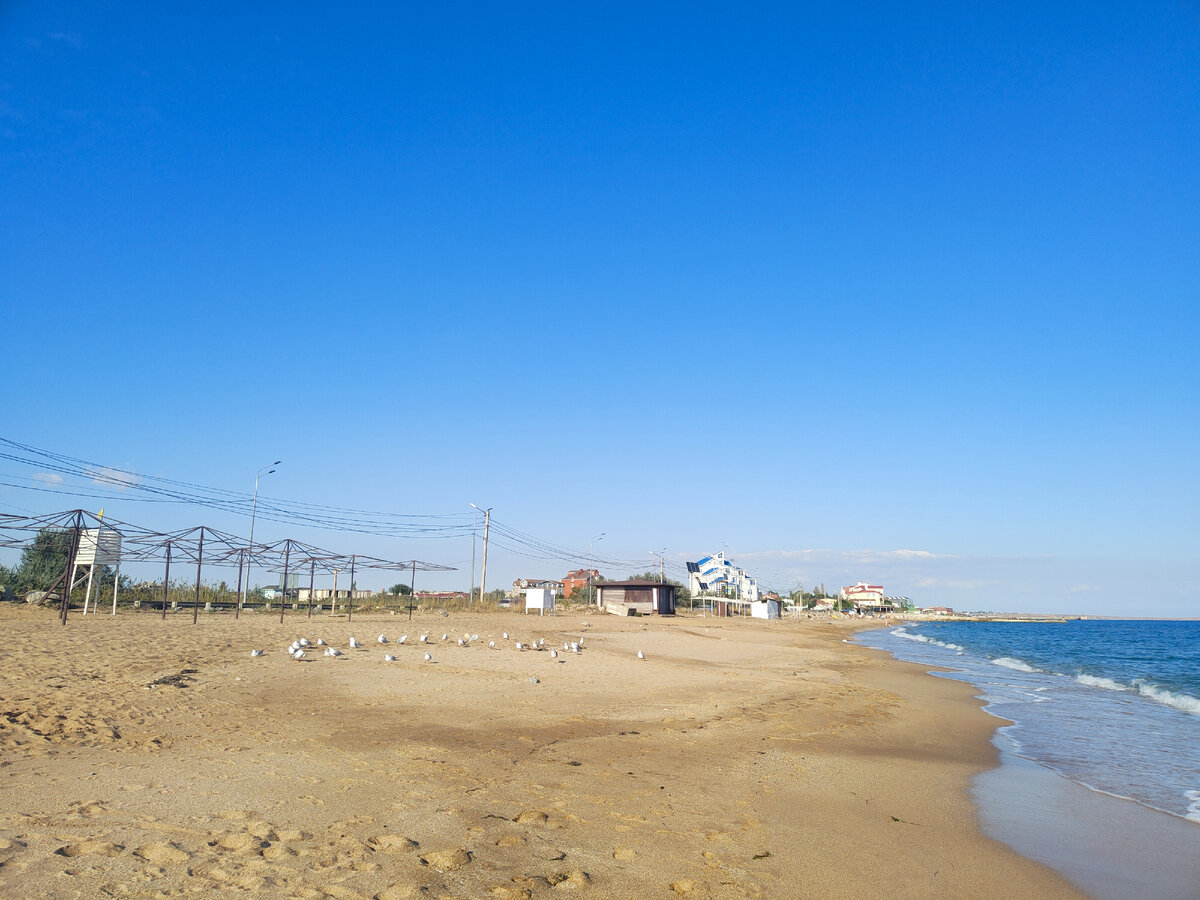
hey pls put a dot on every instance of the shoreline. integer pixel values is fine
(739, 759)
(1110, 845)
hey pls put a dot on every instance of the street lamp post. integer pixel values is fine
(265, 470)
(659, 554)
(487, 520)
(474, 527)
(592, 563)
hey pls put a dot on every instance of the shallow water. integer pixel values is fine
(1114, 706)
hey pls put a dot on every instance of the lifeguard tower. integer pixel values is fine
(98, 547)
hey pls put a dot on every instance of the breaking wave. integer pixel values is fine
(1008, 662)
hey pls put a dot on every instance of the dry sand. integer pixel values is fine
(739, 759)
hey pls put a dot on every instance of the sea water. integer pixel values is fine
(1111, 705)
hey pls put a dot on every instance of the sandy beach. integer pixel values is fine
(739, 759)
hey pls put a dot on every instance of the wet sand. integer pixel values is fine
(739, 759)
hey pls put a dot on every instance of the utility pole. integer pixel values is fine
(487, 520)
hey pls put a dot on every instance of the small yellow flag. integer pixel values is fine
(101, 516)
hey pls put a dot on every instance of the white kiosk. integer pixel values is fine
(541, 599)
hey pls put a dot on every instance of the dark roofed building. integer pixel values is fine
(643, 597)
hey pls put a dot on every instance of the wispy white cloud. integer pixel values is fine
(48, 477)
(113, 477)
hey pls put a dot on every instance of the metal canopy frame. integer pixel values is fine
(202, 545)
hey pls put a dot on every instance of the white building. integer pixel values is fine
(717, 576)
(865, 596)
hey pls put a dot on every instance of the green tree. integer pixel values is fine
(400, 590)
(43, 561)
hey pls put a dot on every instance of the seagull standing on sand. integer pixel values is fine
(299, 654)
(554, 654)
(492, 645)
(382, 639)
(354, 643)
(256, 653)
(461, 642)
(387, 657)
(428, 657)
(320, 642)
(641, 655)
(506, 635)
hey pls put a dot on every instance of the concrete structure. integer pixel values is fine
(640, 597)
(579, 578)
(440, 596)
(320, 595)
(541, 599)
(715, 576)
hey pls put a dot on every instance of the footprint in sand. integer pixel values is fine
(396, 843)
(447, 860)
(162, 853)
(90, 848)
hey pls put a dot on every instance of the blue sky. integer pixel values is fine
(860, 293)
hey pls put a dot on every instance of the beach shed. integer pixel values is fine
(628, 598)
(765, 609)
(541, 599)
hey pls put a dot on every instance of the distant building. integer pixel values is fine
(521, 585)
(866, 598)
(624, 598)
(715, 576)
(580, 578)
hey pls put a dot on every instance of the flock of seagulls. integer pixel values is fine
(300, 647)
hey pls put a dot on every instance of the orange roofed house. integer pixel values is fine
(580, 578)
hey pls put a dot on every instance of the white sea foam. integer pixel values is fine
(1107, 683)
(1193, 810)
(1170, 698)
(900, 632)
(1008, 662)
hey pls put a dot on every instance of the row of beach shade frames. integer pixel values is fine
(94, 541)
